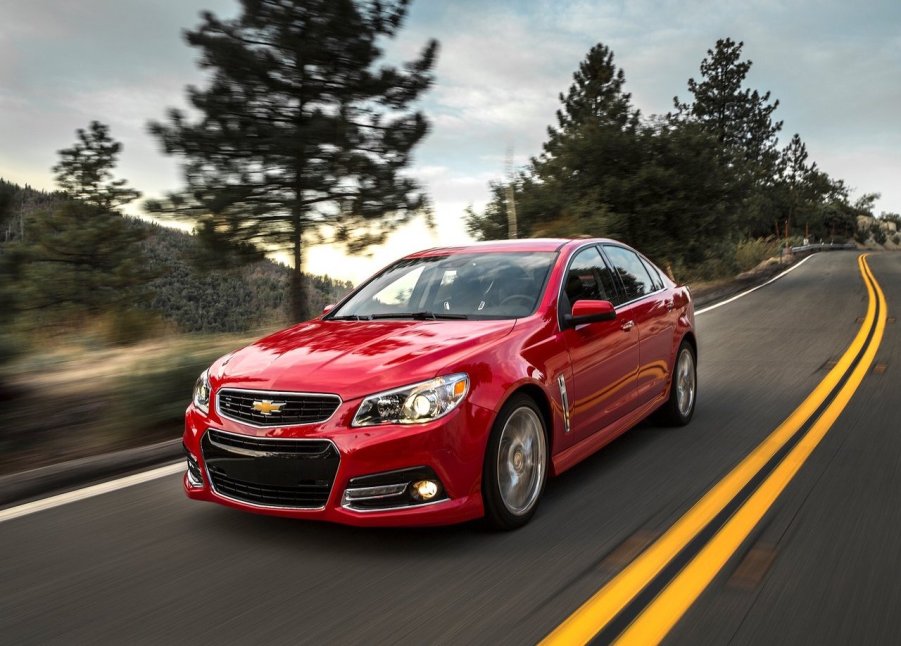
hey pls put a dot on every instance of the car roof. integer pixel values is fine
(500, 246)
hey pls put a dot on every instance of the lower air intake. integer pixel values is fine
(270, 472)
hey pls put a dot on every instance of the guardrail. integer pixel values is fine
(810, 248)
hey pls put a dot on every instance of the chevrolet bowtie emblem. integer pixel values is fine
(267, 406)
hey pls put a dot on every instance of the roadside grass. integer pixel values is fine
(729, 259)
(72, 398)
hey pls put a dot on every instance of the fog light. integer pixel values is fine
(424, 490)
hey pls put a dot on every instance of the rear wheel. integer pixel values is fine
(683, 392)
(515, 467)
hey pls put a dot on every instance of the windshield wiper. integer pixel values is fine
(420, 316)
(350, 317)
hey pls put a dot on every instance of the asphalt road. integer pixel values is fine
(146, 565)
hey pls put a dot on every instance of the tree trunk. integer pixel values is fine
(300, 301)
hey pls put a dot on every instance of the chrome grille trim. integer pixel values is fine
(328, 404)
(284, 445)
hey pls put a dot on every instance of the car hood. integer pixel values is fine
(355, 358)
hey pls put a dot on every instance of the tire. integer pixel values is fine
(683, 391)
(516, 464)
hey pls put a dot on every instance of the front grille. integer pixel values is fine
(290, 409)
(272, 472)
(304, 494)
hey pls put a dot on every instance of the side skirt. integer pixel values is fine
(578, 452)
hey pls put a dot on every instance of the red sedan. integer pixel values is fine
(447, 387)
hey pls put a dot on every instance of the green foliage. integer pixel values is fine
(739, 118)
(244, 297)
(838, 218)
(891, 217)
(750, 253)
(595, 100)
(84, 172)
(76, 272)
(302, 138)
(492, 223)
(865, 203)
(745, 135)
(78, 255)
(7, 305)
(698, 189)
(877, 233)
(656, 185)
(566, 190)
(18, 208)
(81, 258)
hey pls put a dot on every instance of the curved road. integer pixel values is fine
(146, 565)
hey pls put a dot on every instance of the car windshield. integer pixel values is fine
(455, 286)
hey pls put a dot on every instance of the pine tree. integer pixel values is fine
(603, 172)
(571, 188)
(82, 259)
(741, 119)
(84, 171)
(301, 137)
(797, 179)
(741, 122)
(595, 98)
(595, 110)
(592, 148)
(81, 254)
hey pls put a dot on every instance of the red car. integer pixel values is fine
(446, 387)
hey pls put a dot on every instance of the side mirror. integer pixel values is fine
(586, 311)
(328, 308)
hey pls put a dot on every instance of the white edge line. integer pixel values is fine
(170, 469)
(89, 492)
(754, 289)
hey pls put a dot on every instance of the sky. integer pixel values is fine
(835, 67)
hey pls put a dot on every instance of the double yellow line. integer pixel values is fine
(656, 619)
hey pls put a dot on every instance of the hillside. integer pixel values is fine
(220, 301)
(234, 300)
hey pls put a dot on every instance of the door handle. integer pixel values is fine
(628, 325)
(670, 304)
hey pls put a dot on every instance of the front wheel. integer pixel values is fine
(683, 392)
(515, 467)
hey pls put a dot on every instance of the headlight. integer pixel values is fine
(414, 404)
(202, 392)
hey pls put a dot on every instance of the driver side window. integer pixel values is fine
(588, 277)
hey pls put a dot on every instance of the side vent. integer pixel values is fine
(564, 398)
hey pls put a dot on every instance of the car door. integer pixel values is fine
(604, 356)
(646, 306)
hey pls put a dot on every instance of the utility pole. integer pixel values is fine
(511, 198)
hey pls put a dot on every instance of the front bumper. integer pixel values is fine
(452, 448)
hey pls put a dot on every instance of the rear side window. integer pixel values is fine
(656, 280)
(632, 272)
